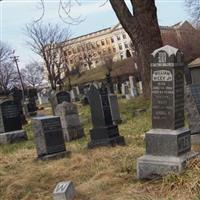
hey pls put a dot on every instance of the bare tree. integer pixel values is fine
(33, 74)
(194, 10)
(8, 73)
(8, 77)
(48, 41)
(5, 52)
(107, 58)
(141, 24)
(87, 53)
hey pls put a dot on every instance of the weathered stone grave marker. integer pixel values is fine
(58, 98)
(70, 121)
(10, 123)
(168, 143)
(104, 132)
(192, 107)
(48, 136)
(114, 108)
(64, 191)
(133, 87)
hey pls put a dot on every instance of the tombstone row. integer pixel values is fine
(168, 143)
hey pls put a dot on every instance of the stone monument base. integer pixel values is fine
(166, 151)
(13, 136)
(57, 155)
(105, 136)
(73, 133)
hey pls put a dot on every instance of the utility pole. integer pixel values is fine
(15, 60)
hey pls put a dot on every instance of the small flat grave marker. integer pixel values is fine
(64, 191)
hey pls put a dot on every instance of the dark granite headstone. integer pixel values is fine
(48, 136)
(58, 98)
(18, 98)
(109, 83)
(63, 96)
(11, 116)
(10, 122)
(104, 132)
(167, 94)
(168, 144)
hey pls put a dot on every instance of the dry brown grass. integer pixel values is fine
(98, 174)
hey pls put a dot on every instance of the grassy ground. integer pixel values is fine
(98, 174)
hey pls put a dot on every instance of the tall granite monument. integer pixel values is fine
(168, 142)
(104, 133)
(11, 123)
(70, 121)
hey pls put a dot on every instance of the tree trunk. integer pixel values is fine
(143, 29)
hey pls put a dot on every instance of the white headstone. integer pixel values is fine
(64, 191)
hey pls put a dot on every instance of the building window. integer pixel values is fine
(118, 37)
(107, 41)
(109, 49)
(126, 46)
(69, 53)
(114, 49)
(71, 61)
(102, 42)
(120, 47)
(98, 45)
(74, 50)
(124, 36)
(112, 40)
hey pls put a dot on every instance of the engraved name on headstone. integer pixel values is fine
(167, 95)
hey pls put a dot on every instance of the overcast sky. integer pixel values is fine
(15, 14)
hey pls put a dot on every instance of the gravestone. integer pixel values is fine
(64, 191)
(74, 94)
(114, 108)
(48, 136)
(10, 123)
(18, 99)
(70, 121)
(192, 108)
(168, 142)
(58, 98)
(133, 88)
(104, 133)
(126, 91)
(109, 83)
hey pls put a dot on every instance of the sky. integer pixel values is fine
(15, 14)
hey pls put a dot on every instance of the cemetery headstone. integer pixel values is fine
(48, 136)
(10, 123)
(192, 107)
(114, 108)
(133, 88)
(64, 191)
(109, 83)
(58, 98)
(18, 99)
(104, 133)
(168, 143)
(70, 121)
